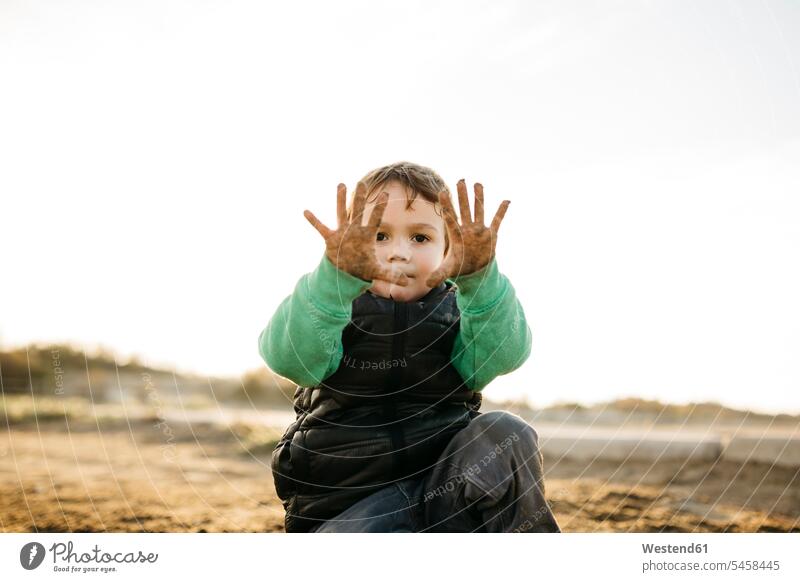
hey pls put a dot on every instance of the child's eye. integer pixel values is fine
(424, 238)
(381, 234)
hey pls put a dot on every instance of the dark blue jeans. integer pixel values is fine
(488, 479)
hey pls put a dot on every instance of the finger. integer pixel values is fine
(446, 203)
(449, 265)
(449, 215)
(463, 201)
(323, 230)
(498, 217)
(341, 204)
(445, 270)
(377, 211)
(435, 279)
(479, 203)
(391, 277)
(359, 201)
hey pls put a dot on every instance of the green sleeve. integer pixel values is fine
(303, 340)
(494, 337)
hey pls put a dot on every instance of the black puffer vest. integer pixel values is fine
(386, 414)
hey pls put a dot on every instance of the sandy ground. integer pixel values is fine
(129, 477)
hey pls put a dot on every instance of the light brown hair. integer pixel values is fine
(419, 181)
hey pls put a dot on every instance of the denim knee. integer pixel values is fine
(497, 425)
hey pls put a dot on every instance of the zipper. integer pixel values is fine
(396, 384)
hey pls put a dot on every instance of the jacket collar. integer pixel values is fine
(430, 295)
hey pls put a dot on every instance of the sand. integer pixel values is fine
(131, 476)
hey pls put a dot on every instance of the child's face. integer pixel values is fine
(409, 241)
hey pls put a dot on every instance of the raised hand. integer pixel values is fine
(472, 244)
(351, 247)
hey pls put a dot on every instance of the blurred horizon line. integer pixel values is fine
(99, 352)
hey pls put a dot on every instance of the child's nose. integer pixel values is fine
(400, 251)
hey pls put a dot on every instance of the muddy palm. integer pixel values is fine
(472, 244)
(351, 247)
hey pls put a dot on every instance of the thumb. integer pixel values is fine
(315, 222)
(436, 278)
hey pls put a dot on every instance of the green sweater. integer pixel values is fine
(303, 340)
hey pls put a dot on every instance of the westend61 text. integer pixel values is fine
(672, 549)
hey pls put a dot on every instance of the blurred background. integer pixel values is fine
(155, 161)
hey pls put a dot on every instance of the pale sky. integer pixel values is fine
(156, 158)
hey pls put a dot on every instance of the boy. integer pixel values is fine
(390, 341)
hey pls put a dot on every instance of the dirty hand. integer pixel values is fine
(351, 247)
(472, 244)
